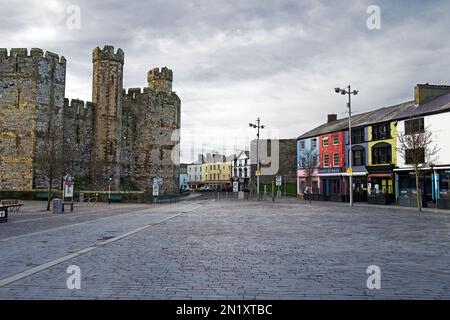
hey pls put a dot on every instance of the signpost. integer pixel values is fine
(278, 182)
(68, 187)
(157, 182)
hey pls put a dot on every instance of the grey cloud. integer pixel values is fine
(236, 60)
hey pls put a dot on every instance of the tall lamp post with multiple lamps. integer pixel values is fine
(348, 91)
(258, 126)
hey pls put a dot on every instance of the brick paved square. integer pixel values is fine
(206, 249)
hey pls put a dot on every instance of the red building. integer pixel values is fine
(332, 155)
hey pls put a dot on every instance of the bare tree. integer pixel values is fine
(50, 157)
(308, 161)
(416, 148)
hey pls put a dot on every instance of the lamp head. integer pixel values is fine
(337, 90)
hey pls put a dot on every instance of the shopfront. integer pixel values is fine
(406, 188)
(359, 186)
(380, 185)
(441, 187)
(332, 184)
(304, 183)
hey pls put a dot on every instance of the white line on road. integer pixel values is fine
(122, 215)
(29, 272)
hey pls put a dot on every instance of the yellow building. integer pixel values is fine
(382, 159)
(217, 175)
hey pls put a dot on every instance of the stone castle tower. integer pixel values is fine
(107, 86)
(32, 99)
(132, 136)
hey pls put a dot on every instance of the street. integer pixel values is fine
(208, 249)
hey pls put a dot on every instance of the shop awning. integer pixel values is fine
(380, 175)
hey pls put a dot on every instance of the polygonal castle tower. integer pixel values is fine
(107, 86)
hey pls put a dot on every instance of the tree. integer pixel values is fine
(50, 157)
(415, 146)
(308, 161)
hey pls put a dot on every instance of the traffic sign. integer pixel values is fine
(258, 172)
(235, 186)
(349, 170)
(278, 180)
(155, 190)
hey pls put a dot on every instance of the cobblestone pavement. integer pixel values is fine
(206, 249)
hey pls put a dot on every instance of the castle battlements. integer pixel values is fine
(107, 53)
(160, 74)
(160, 79)
(122, 133)
(76, 107)
(35, 53)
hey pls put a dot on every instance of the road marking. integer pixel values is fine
(73, 224)
(29, 272)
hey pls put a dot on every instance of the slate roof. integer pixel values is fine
(397, 112)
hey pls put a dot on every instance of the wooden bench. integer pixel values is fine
(42, 196)
(3, 214)
(115, 197)
(67, 204)
(12, 204)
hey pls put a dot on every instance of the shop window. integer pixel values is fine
(381, 132)
(359, 157)
(414, 126)
(381, 153)
(358, 135)
(335, 159)
(413, 156)
(326, 160)
(335, 140)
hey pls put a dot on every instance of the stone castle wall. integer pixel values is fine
(78, 135)
(129, 133)
(26, 109)
(151, 120)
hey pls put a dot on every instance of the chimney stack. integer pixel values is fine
(425, 92)
(331, 117)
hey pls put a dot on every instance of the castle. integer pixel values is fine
(120, 136)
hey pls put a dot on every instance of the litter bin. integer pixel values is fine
(56, 206)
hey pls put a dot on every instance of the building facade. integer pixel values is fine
(278, 157)
(331, 167)
(217, 175)
(241, 170)
(120, 137)
(308, 162)
(380, 176)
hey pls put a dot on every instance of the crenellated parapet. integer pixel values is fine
(107, 53)
(160, 79)
(35, 53)
(76, 108)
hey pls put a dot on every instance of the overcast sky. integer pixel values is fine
(234, 61)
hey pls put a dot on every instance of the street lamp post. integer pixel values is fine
(349, 92)
(257, 126)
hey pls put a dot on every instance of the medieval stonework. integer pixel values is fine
(126, 135)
